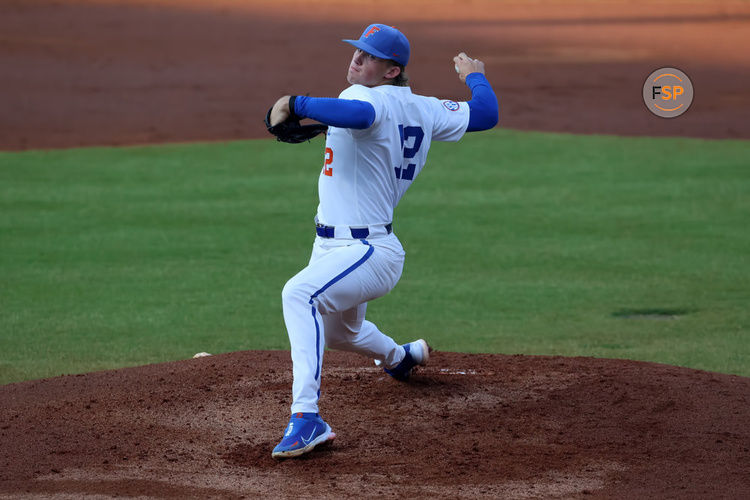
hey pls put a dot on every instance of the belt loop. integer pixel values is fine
(359, 233)
(324, 231)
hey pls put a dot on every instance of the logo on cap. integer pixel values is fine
(374, 29)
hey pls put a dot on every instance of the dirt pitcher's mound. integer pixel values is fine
(466, 426)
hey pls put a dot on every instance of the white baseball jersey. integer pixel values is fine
(366, 172)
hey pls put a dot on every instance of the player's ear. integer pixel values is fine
(392, 72)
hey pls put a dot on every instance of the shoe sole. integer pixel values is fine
(426, 350)
(328, 436)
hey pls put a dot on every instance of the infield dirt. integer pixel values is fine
(108, 72)
(466, 426)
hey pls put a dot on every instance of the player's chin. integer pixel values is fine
(352, 76)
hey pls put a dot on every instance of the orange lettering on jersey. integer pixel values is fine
(328, 160)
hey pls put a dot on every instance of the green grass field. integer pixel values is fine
(516, 243)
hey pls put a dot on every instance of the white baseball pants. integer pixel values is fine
(325, 304)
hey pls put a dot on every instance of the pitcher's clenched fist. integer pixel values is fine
(465, 65)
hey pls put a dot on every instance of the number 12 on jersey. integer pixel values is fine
(328, 160)
(407, 133)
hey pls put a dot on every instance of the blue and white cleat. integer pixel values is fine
(417, 354)
(304, 432)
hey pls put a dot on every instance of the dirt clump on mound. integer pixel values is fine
(467, 425)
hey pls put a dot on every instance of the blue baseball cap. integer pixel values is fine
(385, 42)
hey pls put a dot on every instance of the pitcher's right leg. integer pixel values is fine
(328, 284)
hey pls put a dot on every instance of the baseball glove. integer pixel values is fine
(291, 131)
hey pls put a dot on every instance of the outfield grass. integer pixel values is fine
(516, 243)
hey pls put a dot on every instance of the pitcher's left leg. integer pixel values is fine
(349, 331)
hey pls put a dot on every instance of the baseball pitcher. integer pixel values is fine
(377, 138)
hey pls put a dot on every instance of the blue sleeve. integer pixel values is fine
(344, 113)
(483, 114)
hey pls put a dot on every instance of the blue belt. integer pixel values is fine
(358, 233)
